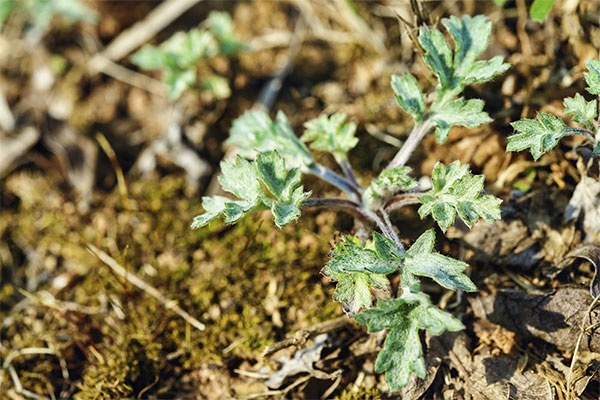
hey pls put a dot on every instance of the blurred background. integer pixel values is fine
(113, 116)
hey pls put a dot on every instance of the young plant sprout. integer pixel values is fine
(272, 181)
(542, 134)
(179, 55)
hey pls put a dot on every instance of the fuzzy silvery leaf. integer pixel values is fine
(245, 180)
(353, 288)
(592, 76)
(409, 95)
(462, 112)
(402, 352)
(454, 191)
(470, 35)
(539, 135)
(330, 134)
(483, 71)
(357, 269)
(240, 179)
(255, 132)
(584, 111)
(376, 256)
(421, 260)
(284, 186)
(438, 56)
(189, 47)
(272, 171)
(286, 210)
(388, 183)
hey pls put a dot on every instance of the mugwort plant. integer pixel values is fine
(179, 56)
(272, 159)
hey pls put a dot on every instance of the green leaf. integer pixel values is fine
(350, 255)
(402, 352)
(454, 191)
(483, 71)
(463, 112)
(255, 132)
(540, 135)
(213, 207)
(272, 171)
(592, 77)
(438, 56)
(283, 184)
(221, 25)
(357, 269)
(285, 211)
(387, 184)
(585, 112)
(217, 86)
(179, 81)
(500, 2)
(354, 287)
(471, 36)
(330, 134)
(240, 179)
(245, 181)
(409, 95)
(446, 271)
(540, 9)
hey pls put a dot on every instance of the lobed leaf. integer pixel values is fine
(409, 95)
(539, 135)
(592, 76)
(245, 180)
(438, 56)
(471, 36)
(483, 71)
(584, 112)
(463, 112)
(454, 191)
(402, 352)
(422, 261)
(255, 132)
(221, 25)
(358, 268)
(330, 134)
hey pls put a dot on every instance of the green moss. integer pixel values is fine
(221, 275)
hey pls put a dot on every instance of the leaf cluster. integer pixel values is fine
(179, 55)
(455, 69)
(263, 184)
(543, 133)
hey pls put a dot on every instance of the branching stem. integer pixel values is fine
(401, 200)
(349, 172)
(336, 180)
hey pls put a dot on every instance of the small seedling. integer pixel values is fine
(39, 13)
(179, 55)
(542, 134)
(271, 181)
(539, 9)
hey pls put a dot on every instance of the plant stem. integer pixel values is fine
(414, 138)
(394, 236)
(336, 180)
(401, 200)
(349, 205)
(343, 162)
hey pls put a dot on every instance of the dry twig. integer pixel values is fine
(139, 283)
